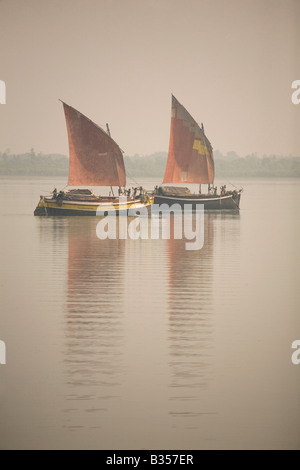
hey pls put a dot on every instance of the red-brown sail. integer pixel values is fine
(95, 158)
(190, 158)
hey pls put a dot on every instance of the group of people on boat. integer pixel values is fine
(131, 193)
(212, 190)
(134, 192)
(139, 192)
(56, 195)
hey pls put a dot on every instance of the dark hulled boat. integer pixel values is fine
(190, 160)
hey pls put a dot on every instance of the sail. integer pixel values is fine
(95, 158)
(190, 158)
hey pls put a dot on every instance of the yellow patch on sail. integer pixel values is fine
(202, 150)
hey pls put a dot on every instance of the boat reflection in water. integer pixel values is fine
(191, 328)
(139, 336)
(93, 322)
(194, 284)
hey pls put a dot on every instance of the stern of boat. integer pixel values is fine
(40, 209)
(236, 197)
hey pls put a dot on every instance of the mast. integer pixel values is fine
(108, 131)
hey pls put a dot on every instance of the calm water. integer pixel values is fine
(141, 344)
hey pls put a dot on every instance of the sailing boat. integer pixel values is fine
(190, 160)
(95, 160)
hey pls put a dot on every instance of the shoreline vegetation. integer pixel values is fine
(229, 165)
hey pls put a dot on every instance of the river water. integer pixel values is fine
(142, 344)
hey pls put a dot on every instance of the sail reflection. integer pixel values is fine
(191, 322)
(93, 306)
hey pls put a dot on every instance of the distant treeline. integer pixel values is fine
(33, 164)
(229, 165)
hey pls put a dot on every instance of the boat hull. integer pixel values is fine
(51, 207)
(229, 202)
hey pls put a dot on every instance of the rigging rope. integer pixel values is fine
(132, 178)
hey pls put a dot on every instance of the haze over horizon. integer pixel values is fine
(231, 63)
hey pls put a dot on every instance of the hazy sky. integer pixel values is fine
(231, 63)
